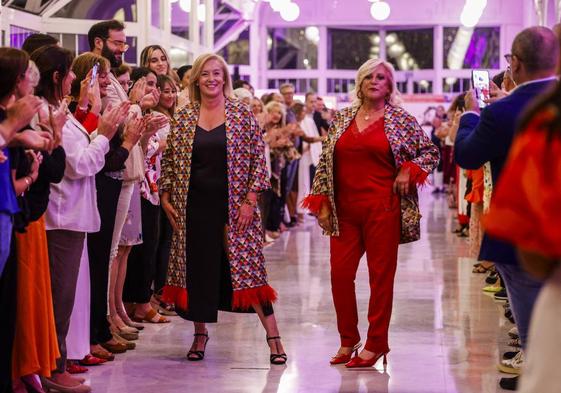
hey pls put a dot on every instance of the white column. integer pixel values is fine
(144, 10)
(437, 59)
(263, 53)
(255, 45)
(194, 27)
(208, 29)
(322, 61)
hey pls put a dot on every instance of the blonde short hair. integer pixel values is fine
(194, 89)
(278, 106)
(367, 68)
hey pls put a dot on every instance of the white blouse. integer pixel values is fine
(73, 201)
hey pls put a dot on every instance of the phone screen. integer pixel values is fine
(480, 82)
(94, 74)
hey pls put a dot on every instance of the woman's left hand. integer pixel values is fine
(401, 183)
(245, 216)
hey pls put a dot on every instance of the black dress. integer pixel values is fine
(209, 283)
(208, 275)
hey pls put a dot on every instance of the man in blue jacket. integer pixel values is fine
(486, 136)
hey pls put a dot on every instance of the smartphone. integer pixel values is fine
(94, 74)
(481, 86)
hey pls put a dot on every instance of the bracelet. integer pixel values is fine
(249, 202)
(28, 181)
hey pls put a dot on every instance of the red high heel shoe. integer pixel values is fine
(340, 359)
(357, 361)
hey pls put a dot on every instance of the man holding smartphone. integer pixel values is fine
(486, 136)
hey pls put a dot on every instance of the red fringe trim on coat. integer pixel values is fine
(243, 299)
(314, 203)
(417, 176)
(175, 295)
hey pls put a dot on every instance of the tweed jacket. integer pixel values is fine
(247, 172)
(410, 146)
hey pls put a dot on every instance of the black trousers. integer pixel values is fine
(162, 255)
(99, 251)
(142, 259)
(8, 303)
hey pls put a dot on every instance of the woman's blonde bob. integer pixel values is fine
(274, 105)
(367, 68)
(198, 65)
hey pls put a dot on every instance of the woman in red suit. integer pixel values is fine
(364, 196)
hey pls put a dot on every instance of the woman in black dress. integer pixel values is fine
(212, 172)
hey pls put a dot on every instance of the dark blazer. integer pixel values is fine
(488, 138)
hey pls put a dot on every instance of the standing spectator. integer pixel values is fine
(486, 135)
(319, 118)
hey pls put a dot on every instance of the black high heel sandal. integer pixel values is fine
(277, 358)
(196, 356)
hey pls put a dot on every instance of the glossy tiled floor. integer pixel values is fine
(445, 333)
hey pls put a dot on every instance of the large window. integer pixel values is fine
(237, 51)
(410, 49)
(466, 48)
(456, 85)
(300, 85)
(291, 49)
(179, 21)
(18, 35)
(100, 10)
(340, 85)
(348, 49)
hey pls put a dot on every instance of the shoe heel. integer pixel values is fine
(385, 359)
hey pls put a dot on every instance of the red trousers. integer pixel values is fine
(372, 226)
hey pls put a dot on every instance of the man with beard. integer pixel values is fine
(108, 39)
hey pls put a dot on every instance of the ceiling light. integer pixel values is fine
(290, 12)
(312, 34)
(278, 5)
(185, 5)
(380, 10)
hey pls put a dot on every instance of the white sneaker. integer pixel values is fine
(512, 366)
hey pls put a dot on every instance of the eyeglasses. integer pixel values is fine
(509, 56)
(120, 44)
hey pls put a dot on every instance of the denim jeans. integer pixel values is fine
(6, 224)
(522, 293)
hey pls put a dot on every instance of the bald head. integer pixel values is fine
(537, 48)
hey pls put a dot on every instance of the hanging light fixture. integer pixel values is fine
(185, 5)
(278, 5)
(290, 12)
(380, 10)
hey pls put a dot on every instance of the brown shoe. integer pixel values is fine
(129, 344)
(115, 348)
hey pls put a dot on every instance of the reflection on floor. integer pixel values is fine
(445, 333)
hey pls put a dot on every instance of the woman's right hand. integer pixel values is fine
(111, 119)
(171, 213)
(133, 131)
(137, 91)
(325, 223)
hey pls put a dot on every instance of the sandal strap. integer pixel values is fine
(201, 334)
(273, 338)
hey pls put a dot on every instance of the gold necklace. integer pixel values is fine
(367, 115)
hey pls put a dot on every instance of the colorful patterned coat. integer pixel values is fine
(410, 146)
(247, 172)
